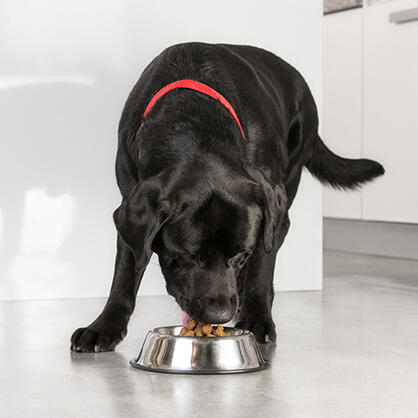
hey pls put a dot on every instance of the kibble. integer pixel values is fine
(192, 324)
(219, 331)
(206, 330)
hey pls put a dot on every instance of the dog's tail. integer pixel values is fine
(341, 172)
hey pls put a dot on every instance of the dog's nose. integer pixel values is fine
(214, 316)
(220, 309)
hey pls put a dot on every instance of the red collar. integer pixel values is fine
(200, 87)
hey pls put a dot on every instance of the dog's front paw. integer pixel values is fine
(95, 340)
(264, 329)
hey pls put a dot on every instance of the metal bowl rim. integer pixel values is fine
(244, 333)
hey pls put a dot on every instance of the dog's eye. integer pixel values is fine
(190, 258)
(202, 256)
(199, 257)
(173, 263)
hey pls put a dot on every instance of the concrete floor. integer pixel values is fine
(349, 351)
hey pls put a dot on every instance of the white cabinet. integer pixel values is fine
(342, 102)
(390, 123)
(370, 107)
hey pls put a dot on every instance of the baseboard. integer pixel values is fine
(366, 237)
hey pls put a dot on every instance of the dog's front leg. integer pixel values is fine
(256, 293)
(110, 327)
(256, 297)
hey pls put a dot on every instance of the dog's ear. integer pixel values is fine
(140, 217)
(272, 201)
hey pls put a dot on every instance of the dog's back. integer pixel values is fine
(273, 103)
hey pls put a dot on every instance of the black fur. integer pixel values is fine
(213, 206)
(341, 172)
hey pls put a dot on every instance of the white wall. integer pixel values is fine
(67, 68)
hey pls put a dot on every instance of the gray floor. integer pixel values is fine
(349, 351)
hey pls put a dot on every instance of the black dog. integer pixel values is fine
(211, 199)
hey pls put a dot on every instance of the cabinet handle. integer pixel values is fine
(404, 16)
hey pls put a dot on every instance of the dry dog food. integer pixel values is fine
(206, 330)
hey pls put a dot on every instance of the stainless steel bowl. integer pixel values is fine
(164, 351)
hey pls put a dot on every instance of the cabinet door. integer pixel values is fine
(342, 101)
(390, 121)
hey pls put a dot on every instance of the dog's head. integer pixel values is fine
(203, 233)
